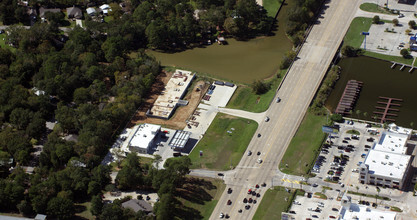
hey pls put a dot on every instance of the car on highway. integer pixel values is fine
(240, 211)
(250, 200)
(266, 119)
(221, 215)
(259, 160)
(245, 200)
(259, 153)
(247, 207)
(229, 202)
(259, 135)
(229, 191)
(249, 153)
(278, 99)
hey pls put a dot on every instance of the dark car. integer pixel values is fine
(347, 138)
(263, 184)
(292, 212)
(240, 211)
(253, 193)
(229, 190)
(229, 202)
(345, 141)
(335, 209)
(250, 200)
(347, 150)
(259, 153)
(245, 200)
(367, 146)
(258, 195)
(370, 140)
(247, 207)
(257, 186)
(350, 146)
(259, 135)
(340, 147)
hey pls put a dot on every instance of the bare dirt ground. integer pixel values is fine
(177, 121)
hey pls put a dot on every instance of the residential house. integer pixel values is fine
(74, 13)
(43, 10)
(137, 205)
(91, 11)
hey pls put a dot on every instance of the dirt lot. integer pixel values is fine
(177, 121)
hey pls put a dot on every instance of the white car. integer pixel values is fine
(278, 99)
(221, 215)
(266, 119)
(259, 160)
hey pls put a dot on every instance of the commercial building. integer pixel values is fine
(179, 140)
(387, 164)
(171, 96)
(352, 211)
(143, 138)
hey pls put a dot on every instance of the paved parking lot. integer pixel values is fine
(351, 148)
(316, 208)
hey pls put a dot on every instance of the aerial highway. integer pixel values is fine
(296, 93)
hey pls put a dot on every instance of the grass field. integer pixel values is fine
(201, 198)
(220, 149)
(353, 37)
(301, 152)
(272, 6)
(273, 203)
(245, 99)
(389, 57)
(372, 7)
(83, 210)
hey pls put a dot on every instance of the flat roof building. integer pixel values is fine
(392, 142)
(143, 138)
(179, 140)
(352, 211)
(171, 96)
(387, 164)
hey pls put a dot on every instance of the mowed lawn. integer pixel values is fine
(245, 99)
(203, 198)
(220, 148)
(353, 36)
(372, 7)
(273, 204)
(301, 152)
(272, 6)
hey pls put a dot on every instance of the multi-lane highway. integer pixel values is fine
(296, 93)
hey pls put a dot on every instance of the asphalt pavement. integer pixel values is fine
(296, 93)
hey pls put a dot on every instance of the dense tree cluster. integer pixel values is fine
(48, 78)
(300, 17)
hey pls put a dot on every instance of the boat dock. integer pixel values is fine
(382, 112)
(402, 66)
(349, 97)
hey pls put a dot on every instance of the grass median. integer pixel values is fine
(304, 146)
(245, 99)
(224, 143)
(275, 202)
(372, 7)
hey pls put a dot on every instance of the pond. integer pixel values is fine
(239, 61)
(378, 80)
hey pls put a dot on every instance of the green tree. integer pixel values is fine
(349, 51)
(116, 11)
(81, 95)
(130, 176)
(376, 19)
(412, 24)
(111, 212)
(336, 118)
(260, 87)
(405, 53)
(60, 208)
(96, 205)
(94, 188)
(164, 206)
(395, 22)
(21, 117)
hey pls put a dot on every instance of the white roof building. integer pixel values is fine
(392, 142)
(356, 211)
(91, 11)
(400, 130)
(386, 164)
(143, 137)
